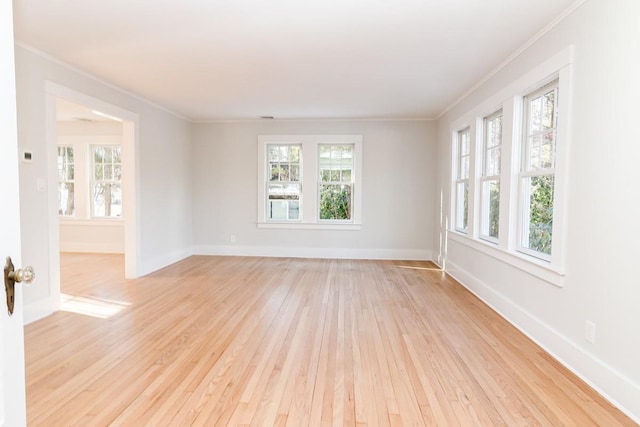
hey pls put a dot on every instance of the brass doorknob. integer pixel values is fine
(11, 276)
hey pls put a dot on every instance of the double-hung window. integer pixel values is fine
(463, 161)
(336, 182)
(284, 188)
(490, 178)
(509, 180)
(66, 181)
(537, 172)
(106, 187)
(310, 181)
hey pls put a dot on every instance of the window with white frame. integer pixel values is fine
(309, 181)
(106, 177)
(515, 192)
(284, 188)
(463, 161)
(490, 178)
(335, 188)
(537, 172)
(66, 181)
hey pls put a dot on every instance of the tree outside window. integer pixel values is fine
(538, 171)
(106, 182)
(490, 179)
(66, 181)
(284, 186)
(336, 182)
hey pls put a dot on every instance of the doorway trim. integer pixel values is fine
(130, 178)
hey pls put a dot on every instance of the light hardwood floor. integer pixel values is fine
(271, 341)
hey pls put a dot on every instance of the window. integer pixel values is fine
(106, 188)
(537, 174)
(309, 181)
(463, 150)
(509, 171)
(66, 184)
(284, 188)
(490, 178)
(336, 185)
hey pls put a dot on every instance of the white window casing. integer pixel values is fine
(512, 175)
(310, 181)
(83, 167)
(490, 176)
(462, 170)
(106, 181)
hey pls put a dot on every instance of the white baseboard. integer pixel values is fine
(611, 384)
(306, 252)
(91, 247)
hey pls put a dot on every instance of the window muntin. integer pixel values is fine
(66, 181)
(463, 161)
(284, 184)
(335, 188)
(311, 182)
(490, 178)
(106, 177)
(537, 174)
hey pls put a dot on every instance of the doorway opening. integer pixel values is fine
(95, 198)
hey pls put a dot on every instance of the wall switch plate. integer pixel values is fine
(41, 185)
(590, 332)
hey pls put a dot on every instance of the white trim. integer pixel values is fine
(310, 226)
(130, 176)
(534, 266)
(320, 120)
(83, 222)
(527, 83)
(510, 100)
(90, 179)
(307, 252)
(551, 25)
(614, 386)
(98, 80)
(309, 179)
(457, 180)
(91, 247)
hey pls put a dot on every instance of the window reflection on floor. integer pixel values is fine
(89, 306)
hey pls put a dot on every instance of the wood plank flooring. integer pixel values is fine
(301, 342)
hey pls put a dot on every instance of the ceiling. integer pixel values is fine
(70, 112)
(293, 59)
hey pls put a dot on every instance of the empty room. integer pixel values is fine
(320, 213)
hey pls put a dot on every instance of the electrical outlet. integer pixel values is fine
(232, 238)
(590, 331)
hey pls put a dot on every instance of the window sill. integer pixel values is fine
(310, 226)
(538, 268)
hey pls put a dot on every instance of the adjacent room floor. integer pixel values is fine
(280, 341)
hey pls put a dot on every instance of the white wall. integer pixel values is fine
(163, 157)
(602, 265)
(397, 188)
(81, 233)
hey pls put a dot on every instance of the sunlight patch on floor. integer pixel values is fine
(89, 306)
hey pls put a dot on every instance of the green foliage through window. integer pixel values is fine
(541, 213)
(494, 209)
(335, 167)
(335, 202)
